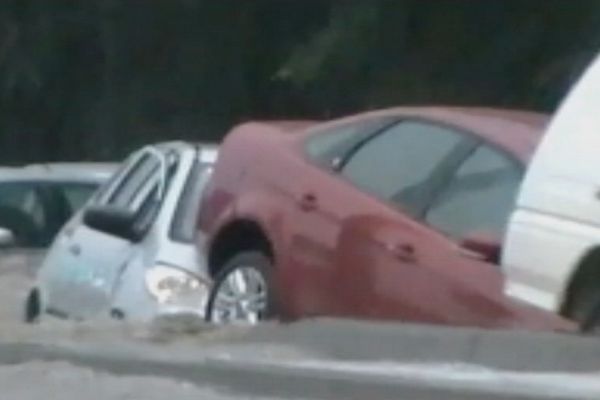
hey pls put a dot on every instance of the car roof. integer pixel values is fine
(289, 125)
(207, 151)
(516, 131)
(81, 172)
(180, 145)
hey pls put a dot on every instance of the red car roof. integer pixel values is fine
(518, 132)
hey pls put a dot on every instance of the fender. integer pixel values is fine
(261, 208)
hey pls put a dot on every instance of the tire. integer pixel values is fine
(585, 307)
(248, 262)
(32, 311)
(591, 324)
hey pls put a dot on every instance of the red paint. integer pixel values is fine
(341, 252)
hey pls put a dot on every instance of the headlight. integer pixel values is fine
(172, 285)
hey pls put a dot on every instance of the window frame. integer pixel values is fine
(106, 191)
(107, 194)
(126, 181)
(152, 187)
(379, 123)
(191, 194)
(511, 158)
(445, 169)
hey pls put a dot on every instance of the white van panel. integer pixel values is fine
(557, 219)
(540, 255)
(564, 175)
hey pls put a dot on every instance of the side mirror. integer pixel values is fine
(486, 246)
(112, 221)
(7, 238)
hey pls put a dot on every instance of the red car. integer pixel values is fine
(396, 214)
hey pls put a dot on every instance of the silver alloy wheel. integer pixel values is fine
(240, 298)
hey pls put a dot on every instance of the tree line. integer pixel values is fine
(93, 79)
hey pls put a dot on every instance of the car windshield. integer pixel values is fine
(77, 194)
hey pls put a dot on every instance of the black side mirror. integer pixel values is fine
(113, 221)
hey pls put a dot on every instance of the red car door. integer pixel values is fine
(472, 208)
(319, 204)
(395, 175)
(412, 272)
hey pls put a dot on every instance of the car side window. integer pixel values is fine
(147, 202)
(479, 197)
(325, 146)
(137, 177)
(105, 191)
(399, 165)
(185, 218)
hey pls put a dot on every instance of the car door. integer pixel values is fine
(422, 271)
(317, 207)
(472, 212)
(95, 259)
(60, 273)
(378, 269)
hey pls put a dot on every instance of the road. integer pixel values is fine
(59, 380)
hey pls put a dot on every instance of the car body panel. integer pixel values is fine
(557, 220)
(108, 272)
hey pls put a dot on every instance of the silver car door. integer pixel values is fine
(62, 273)
(86, 247)
(105, 256)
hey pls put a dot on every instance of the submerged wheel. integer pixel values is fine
(585, 307)
(32, 312)
(242, 292)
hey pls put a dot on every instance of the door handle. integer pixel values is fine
(308, 202)
(75, 249)
(471, 254)
(404, 252)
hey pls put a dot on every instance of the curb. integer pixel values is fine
(264, 379)
(510, 350)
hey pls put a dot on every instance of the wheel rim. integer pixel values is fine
(240, 298)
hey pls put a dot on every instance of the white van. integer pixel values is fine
(552, 250)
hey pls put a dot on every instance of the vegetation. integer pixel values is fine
(93, 79)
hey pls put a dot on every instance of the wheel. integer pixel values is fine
(242, 292)
(32, 312)
(585, 308)
(591, 324)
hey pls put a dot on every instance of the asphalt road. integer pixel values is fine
(59, 380)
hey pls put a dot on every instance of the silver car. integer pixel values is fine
(35, 202)
(132, 252)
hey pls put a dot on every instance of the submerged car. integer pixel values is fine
(36, 201)
(396, 214)
(131, 251)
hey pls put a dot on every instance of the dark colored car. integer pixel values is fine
(397, 214)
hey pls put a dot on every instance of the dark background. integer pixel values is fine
(92, 79)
